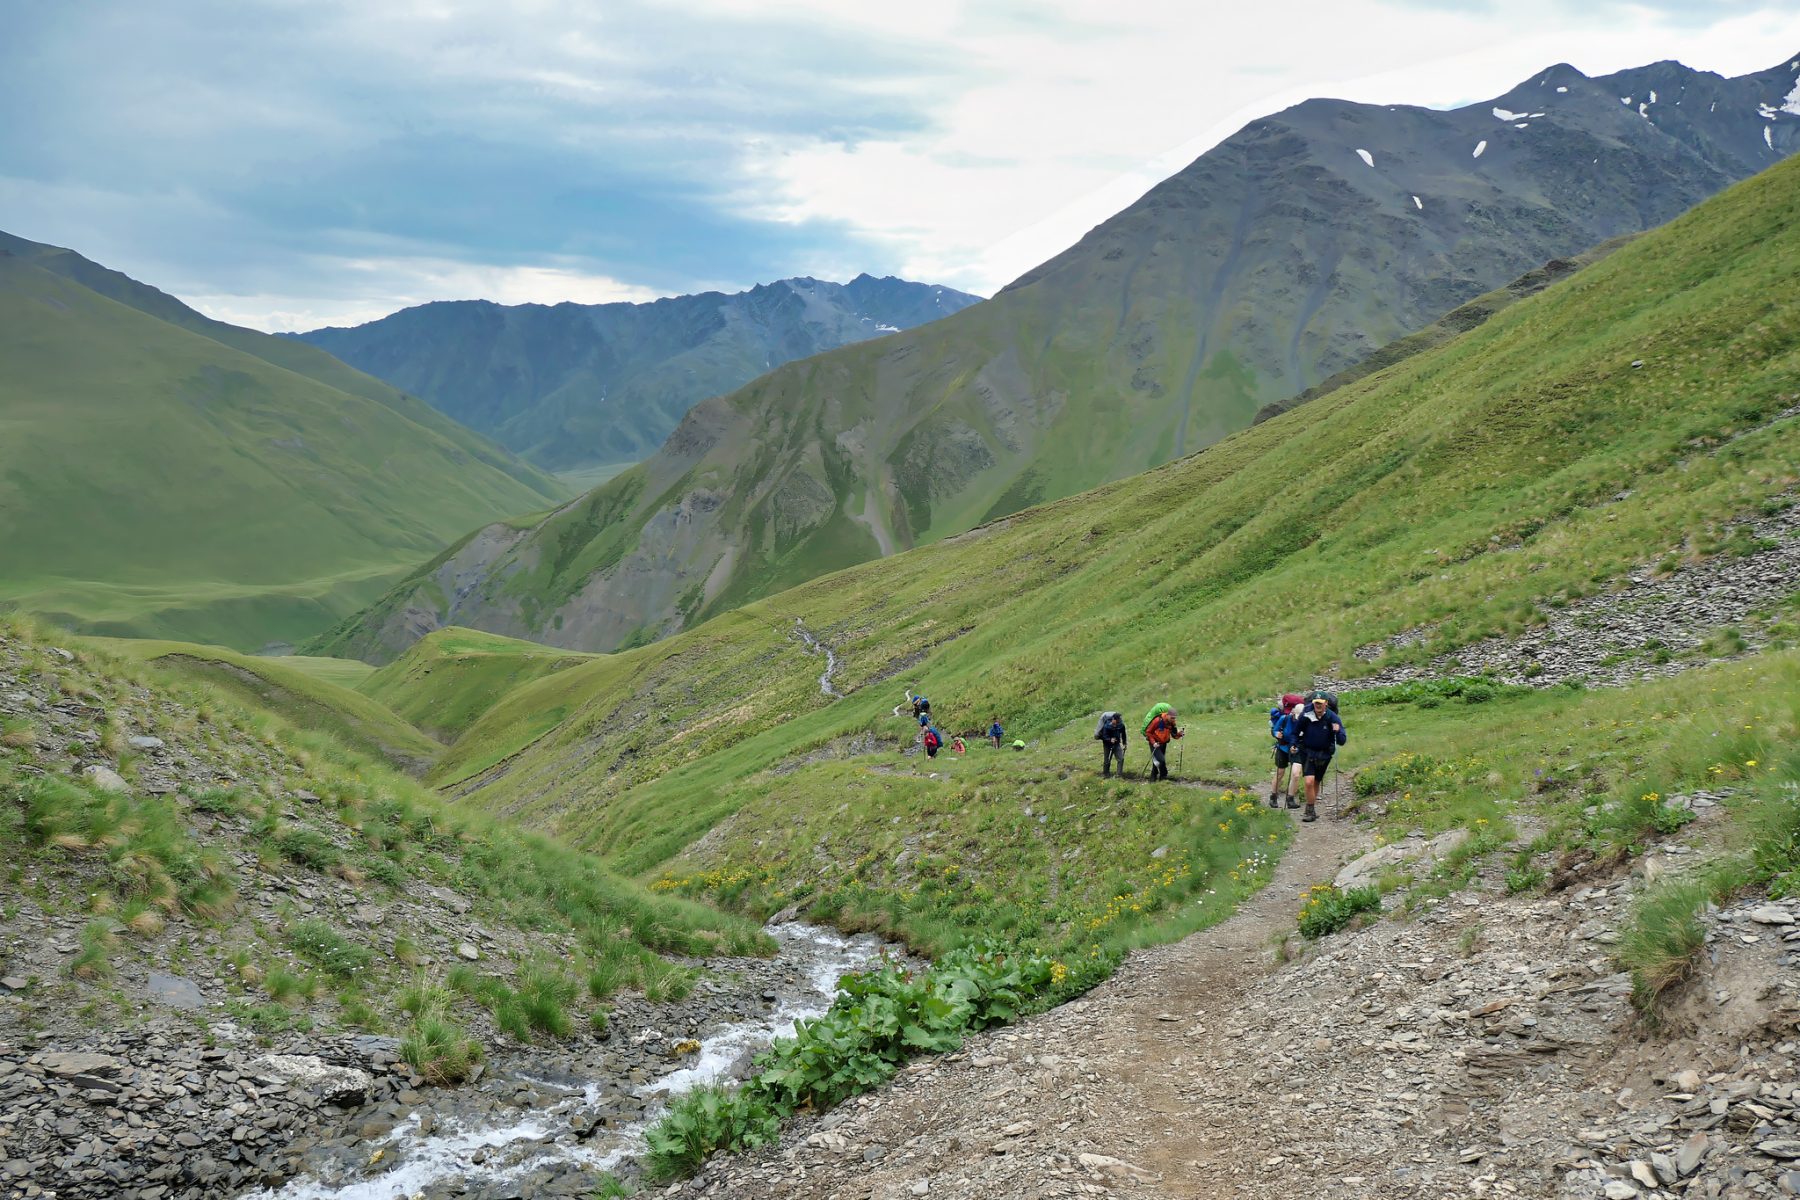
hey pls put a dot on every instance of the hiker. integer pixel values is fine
(920, 707)
(932, 739)
(995, 733)
(957, 744)
(1159, 731)
(1317, 734)
(1111, 735)
(1287, 755)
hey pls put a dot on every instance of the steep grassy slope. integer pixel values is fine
(572, 385)
(160, 481)
(448, 679)
(190, 849)
(1643, 412)
(306, 697)
(280, 352)
(1289, 252)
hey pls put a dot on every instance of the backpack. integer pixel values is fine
(932, 740)
(921, 705)
(1156, 711)
(1106, 718)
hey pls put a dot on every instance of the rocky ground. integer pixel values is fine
(1666, 618)
(159, 1076)
(1484, 1046)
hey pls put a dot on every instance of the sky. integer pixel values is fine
(286, 164)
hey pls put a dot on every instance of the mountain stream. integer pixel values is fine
(560, 1148)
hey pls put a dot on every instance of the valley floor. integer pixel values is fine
(1487, 1046)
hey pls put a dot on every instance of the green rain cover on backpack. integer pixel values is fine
(1155, 712)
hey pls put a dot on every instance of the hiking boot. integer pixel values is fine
(1293, 802)
(1311, 814)
(1274, 800)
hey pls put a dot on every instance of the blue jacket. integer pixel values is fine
(1312, 732)
(1281, 727)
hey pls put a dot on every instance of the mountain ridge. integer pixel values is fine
(1294, 249)
(572, 385)
(169, 475)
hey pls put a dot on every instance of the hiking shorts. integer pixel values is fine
(1284, 758)
(1316, 762)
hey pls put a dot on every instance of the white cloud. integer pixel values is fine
(327, 162)
(1077, 115)
(368, 288)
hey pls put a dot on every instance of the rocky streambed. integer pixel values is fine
(176, 1113)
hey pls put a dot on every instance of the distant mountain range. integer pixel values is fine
(1295, 248)
(166, 474)
(573, 385)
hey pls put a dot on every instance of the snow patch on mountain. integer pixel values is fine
(1480, 148)
(1365, 156)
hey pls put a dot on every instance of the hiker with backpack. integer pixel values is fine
(1287, 756)
(1318, 733)
(1111, 735)
(932, 740)
(995, 733)
(1159, 730)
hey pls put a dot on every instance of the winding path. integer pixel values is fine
(1093, 1073)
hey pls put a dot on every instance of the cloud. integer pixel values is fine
(391, 284)
(287, 162)
(1077, 119)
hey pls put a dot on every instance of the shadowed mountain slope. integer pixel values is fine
(571, 385)
(1291, 251)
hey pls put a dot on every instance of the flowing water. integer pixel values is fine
(812, 643)
(481, 1157)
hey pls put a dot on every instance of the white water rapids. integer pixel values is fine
(520, 1146)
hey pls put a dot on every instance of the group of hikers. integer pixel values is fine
(1306, 730)
(1160, 728)
(932, 738)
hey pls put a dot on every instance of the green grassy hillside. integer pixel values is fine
(306, 693)
(158, 481)
(1637, 416)
(449, 679)
(1294, 249)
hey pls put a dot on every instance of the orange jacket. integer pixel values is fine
(1161, 730)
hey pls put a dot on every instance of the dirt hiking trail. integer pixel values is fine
(1483, 1045)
